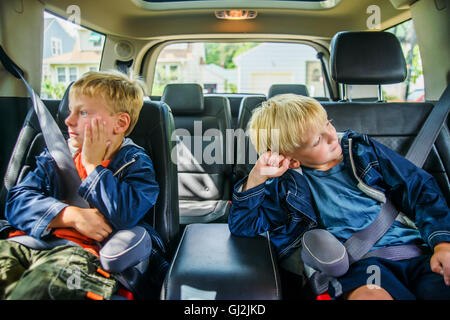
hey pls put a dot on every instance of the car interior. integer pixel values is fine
(190, 126)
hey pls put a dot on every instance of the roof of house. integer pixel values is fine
(75, 57)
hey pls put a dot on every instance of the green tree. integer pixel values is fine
(53, 90)
(407, 37)
(222, 54)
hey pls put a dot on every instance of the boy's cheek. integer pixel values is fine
(76, 142)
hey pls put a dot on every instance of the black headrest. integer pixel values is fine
(275, 89)
(63, 111)
(367, 57)
(184, 98)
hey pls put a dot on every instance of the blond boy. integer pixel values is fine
(118, 181)
(314, 180)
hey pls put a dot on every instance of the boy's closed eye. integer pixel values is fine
(317, 142)
(319, 139)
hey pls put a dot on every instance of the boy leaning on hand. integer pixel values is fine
(118, 181)
(313, 182)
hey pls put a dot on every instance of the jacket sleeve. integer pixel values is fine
(123, 201)
(31, 205)
(416, 193)
(256, 210)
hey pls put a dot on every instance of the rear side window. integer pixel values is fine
(412, 89)
(69, 50)
(244, 67)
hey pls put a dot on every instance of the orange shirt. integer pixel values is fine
(80, 168)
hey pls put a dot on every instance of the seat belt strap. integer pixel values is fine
(421, 147)
(400, 252)
(54, 139)
(362, 241)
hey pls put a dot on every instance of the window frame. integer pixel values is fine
(55, 46)
(150, 58)
(54, 78)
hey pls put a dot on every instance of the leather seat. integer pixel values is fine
(152, 131)
(204, 171)
(368, 58)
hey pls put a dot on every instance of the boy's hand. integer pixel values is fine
(269, 165)
(89, 222)
(96, 146)
(440, 261)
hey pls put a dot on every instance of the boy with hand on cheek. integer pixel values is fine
(118, 181)
(320, 178)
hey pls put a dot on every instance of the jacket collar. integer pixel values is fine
(120, 160)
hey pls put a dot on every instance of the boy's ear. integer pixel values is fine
(122, 123)
(294, 164)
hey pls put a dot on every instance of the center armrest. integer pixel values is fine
(211, 263)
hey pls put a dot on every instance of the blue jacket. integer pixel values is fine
(124, 193)
(282, 208)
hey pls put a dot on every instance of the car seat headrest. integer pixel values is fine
(184, 98)
(367, 57)
(276, 89)
(63, 112)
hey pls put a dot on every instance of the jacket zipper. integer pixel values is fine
(124, 166)
(371, 192)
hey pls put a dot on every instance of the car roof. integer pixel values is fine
(136, 20)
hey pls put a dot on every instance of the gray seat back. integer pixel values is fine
(204, 174)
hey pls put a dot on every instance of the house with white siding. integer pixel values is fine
(279, 63)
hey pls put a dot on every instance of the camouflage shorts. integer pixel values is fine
(65, 272)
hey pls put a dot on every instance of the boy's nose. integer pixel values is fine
(68, 120)
(331, 138)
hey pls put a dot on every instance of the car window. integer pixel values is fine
(412, 89)
(69, 50)
(244, 67)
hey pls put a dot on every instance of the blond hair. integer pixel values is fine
(122, 93)
(281, 122)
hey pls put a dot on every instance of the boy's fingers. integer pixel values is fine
(264, 157)
(435, 265)
(94, 126)
(87, 134)
(286, 162)
(275, 171)
(107, 227)
(446, 271)
(440, 268)
(275, 159)
(101, 128)
(271, 160)
(108, 150)
(270, 171)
